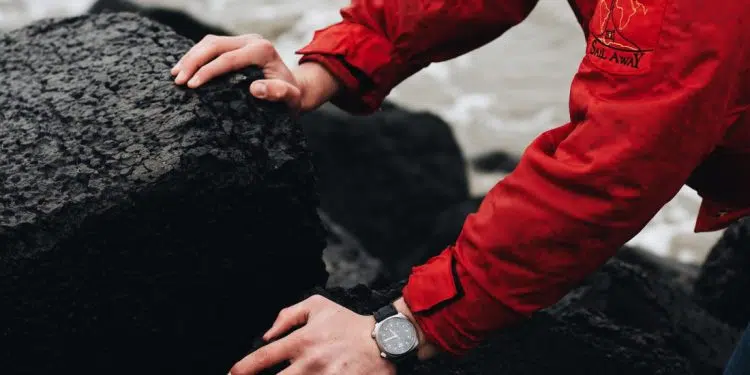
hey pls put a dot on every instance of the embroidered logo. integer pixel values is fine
(624, 33)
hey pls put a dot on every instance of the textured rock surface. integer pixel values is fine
(385, 177)
(347, 262)
(620, 321)
(143, 227)
(180, 22)
(723, 285)
(680, 275)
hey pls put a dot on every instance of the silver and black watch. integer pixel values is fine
(395, 334)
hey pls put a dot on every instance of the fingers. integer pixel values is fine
(256, 51)
(269, 355)
(201, 53)
(278, 91)
(289, 318)
(225, 63)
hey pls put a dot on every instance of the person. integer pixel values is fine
(660, 100)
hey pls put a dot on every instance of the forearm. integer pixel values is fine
(582, 190)
(381, 43)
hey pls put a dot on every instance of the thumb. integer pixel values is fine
(277, 90)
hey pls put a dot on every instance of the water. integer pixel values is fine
(500, 96)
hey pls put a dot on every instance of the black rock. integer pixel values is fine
(386, 176)
(723, 285)
(679, 275)
(619, 321)
(179, 21)
(630, 296)
(495, 161)
(347, 262)
(144, 228)
(445, 230)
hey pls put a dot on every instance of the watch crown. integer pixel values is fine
(382, 354)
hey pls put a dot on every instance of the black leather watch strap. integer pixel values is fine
(385, 312)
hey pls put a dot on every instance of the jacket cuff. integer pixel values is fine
(363, 61)
(349, 97)
(453, 311)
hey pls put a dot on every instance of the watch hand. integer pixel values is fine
(390, 338)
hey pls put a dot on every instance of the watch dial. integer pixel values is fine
(396, 336)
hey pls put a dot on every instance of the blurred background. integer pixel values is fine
(497, 98)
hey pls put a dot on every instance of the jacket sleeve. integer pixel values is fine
(380, 43)
(582, 190)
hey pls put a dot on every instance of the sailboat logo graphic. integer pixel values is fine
(620, 32)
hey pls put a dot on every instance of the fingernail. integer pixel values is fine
(195, 82)
(180, 78)
(175, 69)
(260, 90)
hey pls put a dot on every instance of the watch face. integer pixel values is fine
(396, 336)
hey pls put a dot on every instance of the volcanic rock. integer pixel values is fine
(144, 227)
(495, 161)
(723, 285)
(619, 321)
(445, 230)
(678, 275)
(386, 176)
(182, 23)
(347, 262)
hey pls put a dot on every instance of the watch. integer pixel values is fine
(395, 334)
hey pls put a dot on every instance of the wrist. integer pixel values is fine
(425, 350)
(317, 85)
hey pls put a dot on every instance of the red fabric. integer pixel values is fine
(388, 41)
(658, 101)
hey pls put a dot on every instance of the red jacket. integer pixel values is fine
(659, 100)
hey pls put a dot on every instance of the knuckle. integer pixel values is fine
(306, 339)
(284, 313)
(316, 299)
(253, 36)
(278, 91)
(229, 59)
(264, 47)
(210, 39)
(317, 359)
(262, 354)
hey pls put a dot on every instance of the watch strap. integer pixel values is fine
(384, 312)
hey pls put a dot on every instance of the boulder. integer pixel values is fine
(144, 227)
(619, 321)
(383, 178)
(181, 22)
(679, 275)
(386, 176)
(347, 262)
(724, 281)
(445, 230)
(495, 161)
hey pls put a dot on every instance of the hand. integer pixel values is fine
(331, 341)
(308, 87)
